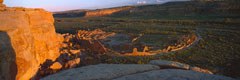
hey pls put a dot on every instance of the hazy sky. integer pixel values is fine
(61, 5)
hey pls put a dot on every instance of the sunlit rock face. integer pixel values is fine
(27, 39)
(1, 5)
(104, 12)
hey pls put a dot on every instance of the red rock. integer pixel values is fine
(75, 51)
(2, 6)
(56, 66)
(27, 39)
(72, 63)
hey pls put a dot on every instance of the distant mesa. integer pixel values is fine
(105, 12)
(172, 8)
(91, 13)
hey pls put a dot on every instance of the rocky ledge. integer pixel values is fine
(152, 71)
(27, 39)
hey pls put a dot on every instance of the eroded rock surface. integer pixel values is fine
(100, 72)
(27, 39)
(2, 6)
(131, 72)
(173, 74)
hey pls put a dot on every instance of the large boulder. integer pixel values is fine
(173, 74)
(72, 63)
(56, 66)
(27, 39)
(100, 72)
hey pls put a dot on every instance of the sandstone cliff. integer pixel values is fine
(27, 39)
(1, 5)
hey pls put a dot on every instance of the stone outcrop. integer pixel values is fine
(27, 39)
(100, 72)
(2, 6)
(131, 72)
(172, 74)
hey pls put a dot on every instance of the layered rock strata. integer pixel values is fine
(27, 39)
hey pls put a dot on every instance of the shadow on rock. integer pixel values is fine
(8, 66)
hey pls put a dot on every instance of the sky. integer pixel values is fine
(63, 5)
